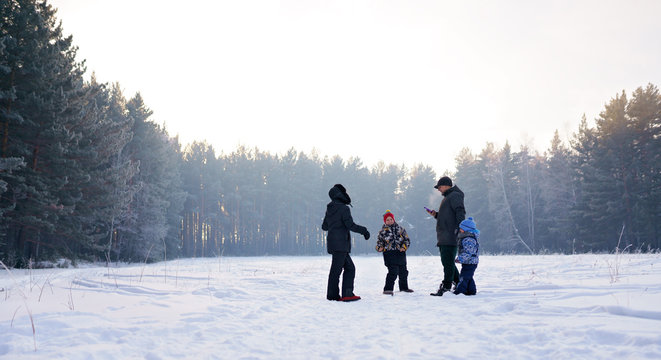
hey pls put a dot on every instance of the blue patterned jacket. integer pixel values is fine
(469, 248)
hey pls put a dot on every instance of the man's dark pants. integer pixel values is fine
(450, 272)
(341, 261)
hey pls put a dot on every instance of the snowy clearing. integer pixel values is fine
(580, 307)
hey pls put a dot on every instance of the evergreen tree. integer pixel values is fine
(333, 171)
(559, 194)
(385, 193)
(43, 81)
(606, 157)
(175, 196)
(644, 112)
(7, 166)
(93, 185)
(209, 207)
(312, 195)
(471, 171)
(7, 115)
(584, 144)
(418, 191)
(157, 180)
(526, 200)
(502, 184)
(118, 175)
(359, 187)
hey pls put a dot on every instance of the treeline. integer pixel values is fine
(600, 193)
(86, 174)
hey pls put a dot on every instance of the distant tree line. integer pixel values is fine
(86, 174)
(600, 193)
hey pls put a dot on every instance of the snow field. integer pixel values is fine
(580, 306)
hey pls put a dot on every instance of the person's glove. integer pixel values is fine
(366, 234)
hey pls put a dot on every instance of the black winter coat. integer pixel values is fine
(448, 217)
(338, 222)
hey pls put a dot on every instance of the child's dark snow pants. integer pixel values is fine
(395, 260)
(466, 283)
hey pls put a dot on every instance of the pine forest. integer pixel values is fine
(87, 174)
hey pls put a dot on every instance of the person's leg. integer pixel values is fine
(466, 283)
(472, 288)
(393, 270)
(462, 285)
(450, 273)
(348, 276)
(403, 278)
(333, 289)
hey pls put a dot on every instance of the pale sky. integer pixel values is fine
(402, 81)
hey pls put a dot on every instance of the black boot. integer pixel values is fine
(441, 291)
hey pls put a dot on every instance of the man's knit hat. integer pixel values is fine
(468, 225)
(388, 214)
(443, 181)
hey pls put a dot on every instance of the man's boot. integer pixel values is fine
(441, 290)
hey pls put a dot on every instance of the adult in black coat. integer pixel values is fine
(338, 222)
(450, 214)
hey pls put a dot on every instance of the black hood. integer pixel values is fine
(339, 193)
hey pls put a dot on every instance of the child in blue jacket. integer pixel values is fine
(468, 256)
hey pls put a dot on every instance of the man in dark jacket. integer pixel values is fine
(338, 222)
(448, 217)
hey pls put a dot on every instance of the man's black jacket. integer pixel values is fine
(448, 217)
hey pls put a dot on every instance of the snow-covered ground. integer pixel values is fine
(527, 307)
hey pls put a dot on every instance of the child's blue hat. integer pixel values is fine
(468, 225)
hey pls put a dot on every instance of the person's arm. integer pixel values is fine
(324, 225)
(380, 242)
(349, 224)
(406, 241)
(460, 252)
(459, 209)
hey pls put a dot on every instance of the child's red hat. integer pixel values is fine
(387, 214)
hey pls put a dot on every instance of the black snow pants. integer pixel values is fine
(395, 261)
(466, 283)
(341, 262)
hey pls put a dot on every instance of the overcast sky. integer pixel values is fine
(402, 81)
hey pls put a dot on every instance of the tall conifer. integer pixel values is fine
(43, 81)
